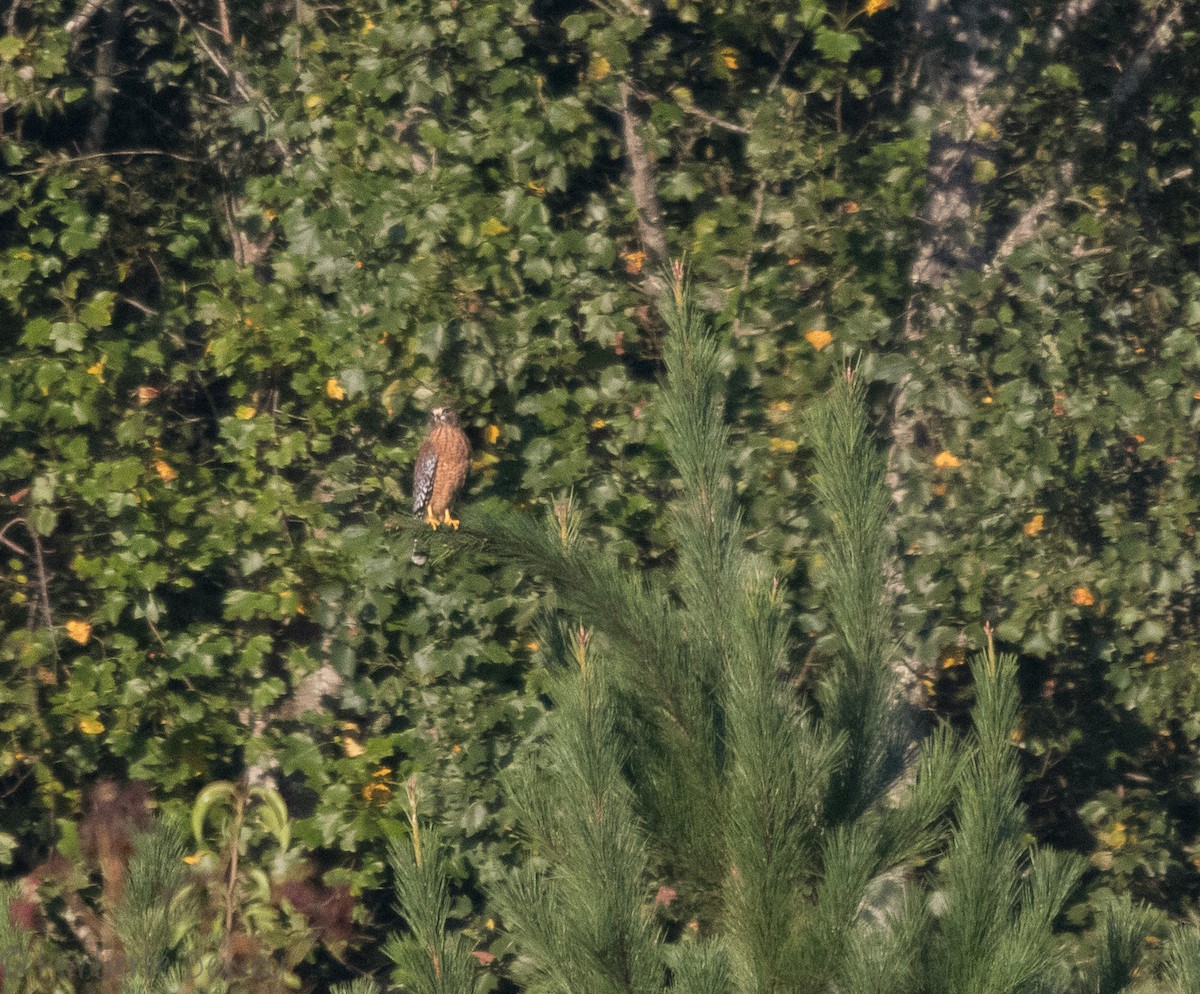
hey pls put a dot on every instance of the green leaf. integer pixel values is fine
(837, 45)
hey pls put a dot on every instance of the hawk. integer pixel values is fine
(441, 468)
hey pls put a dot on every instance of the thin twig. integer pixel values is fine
(49, 163)
(138, 305)
(691, 108)
(9, 542)
(782, 65)
(39, 562)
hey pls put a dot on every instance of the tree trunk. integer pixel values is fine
(104, 89)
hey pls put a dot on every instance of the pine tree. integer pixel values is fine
(696, 823)
(764, 813)
(430, 958)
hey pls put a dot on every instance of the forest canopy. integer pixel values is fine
(245, 250)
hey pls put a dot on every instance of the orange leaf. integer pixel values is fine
(79, 631)
(818, 338)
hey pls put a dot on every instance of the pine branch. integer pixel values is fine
(148, 919)
(859, 696)
(583, 921)
(430, 958)
(1001, 901)
(1183, 959)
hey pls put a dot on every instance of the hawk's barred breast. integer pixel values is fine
(453, 455)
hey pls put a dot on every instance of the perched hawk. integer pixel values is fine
(441, 468)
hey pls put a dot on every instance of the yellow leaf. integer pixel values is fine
(145, 394)
(79, 631)
(729, 58)
(599, 67)
(781, 405)
(313, 101)
(96, 369)
(1082, 597)
(783, 445)
(492, 227)
(818, 338)
(599, 423)
(368, 26)
(491, 433)
(245, 412)
(351, 748)
(164, 470)
(946, 460)
(193, 858)
(334, 390)
(875, 6)
(90, 726)
(1035, 525)
(388, 398)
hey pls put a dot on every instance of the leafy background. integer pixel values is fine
(244, 252)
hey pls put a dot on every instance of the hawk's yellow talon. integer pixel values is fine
(430, 519)
(447, 520)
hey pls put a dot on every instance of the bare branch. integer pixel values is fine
(1030, 220)
(39, 561)
(43, 577)
(82, 19)
(691, 108)
(223, 20)
(1067, 21)
(49, 162)
(1161, 37)
(104, 90)
(783, 64)
(138, 305)
(642, 180)
(9, 542)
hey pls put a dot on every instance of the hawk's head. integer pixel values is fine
(443, 415)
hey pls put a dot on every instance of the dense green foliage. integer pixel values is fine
(243, 251)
